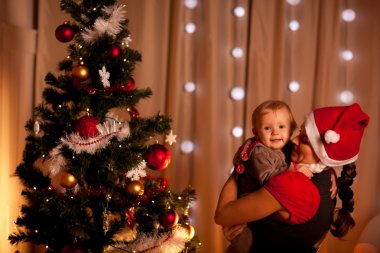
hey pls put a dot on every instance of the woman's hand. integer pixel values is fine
(230, 232)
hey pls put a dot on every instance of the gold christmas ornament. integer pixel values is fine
(135, 187)
(67, 180)
(81, 72)
(191, 231)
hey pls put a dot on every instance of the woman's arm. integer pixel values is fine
(253, 206)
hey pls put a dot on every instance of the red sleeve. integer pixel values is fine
(296, 193)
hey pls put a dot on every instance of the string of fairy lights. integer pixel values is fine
(237, 93)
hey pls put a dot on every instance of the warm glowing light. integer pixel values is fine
(190, 27)
(239, 11)
(293, 2)
(347, 55)
(294, 25)
(346, 97)
(189, 87)
(237, 132)
(237, 93)
(294, 86)
(187, 146)
(237, 52)
(348, 15)
(191, 4)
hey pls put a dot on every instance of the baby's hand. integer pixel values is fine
(305, 170)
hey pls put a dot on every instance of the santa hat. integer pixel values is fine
(335, 133)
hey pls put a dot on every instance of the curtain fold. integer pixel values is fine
(17, 50)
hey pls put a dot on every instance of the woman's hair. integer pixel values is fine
(343, 220)
(272, 105)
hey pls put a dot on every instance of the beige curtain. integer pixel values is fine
(17, 59)
(273, 55)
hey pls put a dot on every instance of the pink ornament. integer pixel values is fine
(158, 157)
(86, 126)
(64, 33)
(170, 219)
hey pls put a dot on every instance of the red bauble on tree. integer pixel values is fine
(86, 126)
(129, 86)
(158, 157)
(133, 112)
(73, 249)
(114, 51)
(64, 33)
(170, 219)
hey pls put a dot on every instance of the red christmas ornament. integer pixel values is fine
(170, 219)
(129, 86)
(73, 249)
(158, 157)
(114, 51)
(64, 33)
(86, 126)
(133, 112)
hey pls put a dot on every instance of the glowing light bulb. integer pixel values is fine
(237, 52)
(294, 25)
(347, 55)
(294, 86)
(348, 15)
(190, 27)
(191, 4)
(346, 96)
(237, 131)
(237, 93)
(293, 2)
(189, 87)
(239, 11)
(187, 146)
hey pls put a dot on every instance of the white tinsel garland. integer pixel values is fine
(110, 26)
(107, 131)
(170, 242)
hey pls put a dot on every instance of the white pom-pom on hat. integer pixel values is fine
(331, 136)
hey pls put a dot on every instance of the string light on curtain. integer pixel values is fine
(237, 52)
(348, 15)
(293, 2)
(239, 11)
(237, 131)
(191, 4)
(294, 25)
(190, 27)
(294, 86)
(189, 87)
(187, 146)
(347, 55)
(346, 96)
(237, 93)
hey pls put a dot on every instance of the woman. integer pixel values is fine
(330, 137)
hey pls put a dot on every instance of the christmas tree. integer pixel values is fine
(97, 194)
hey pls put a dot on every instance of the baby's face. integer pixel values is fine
(274, 128)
